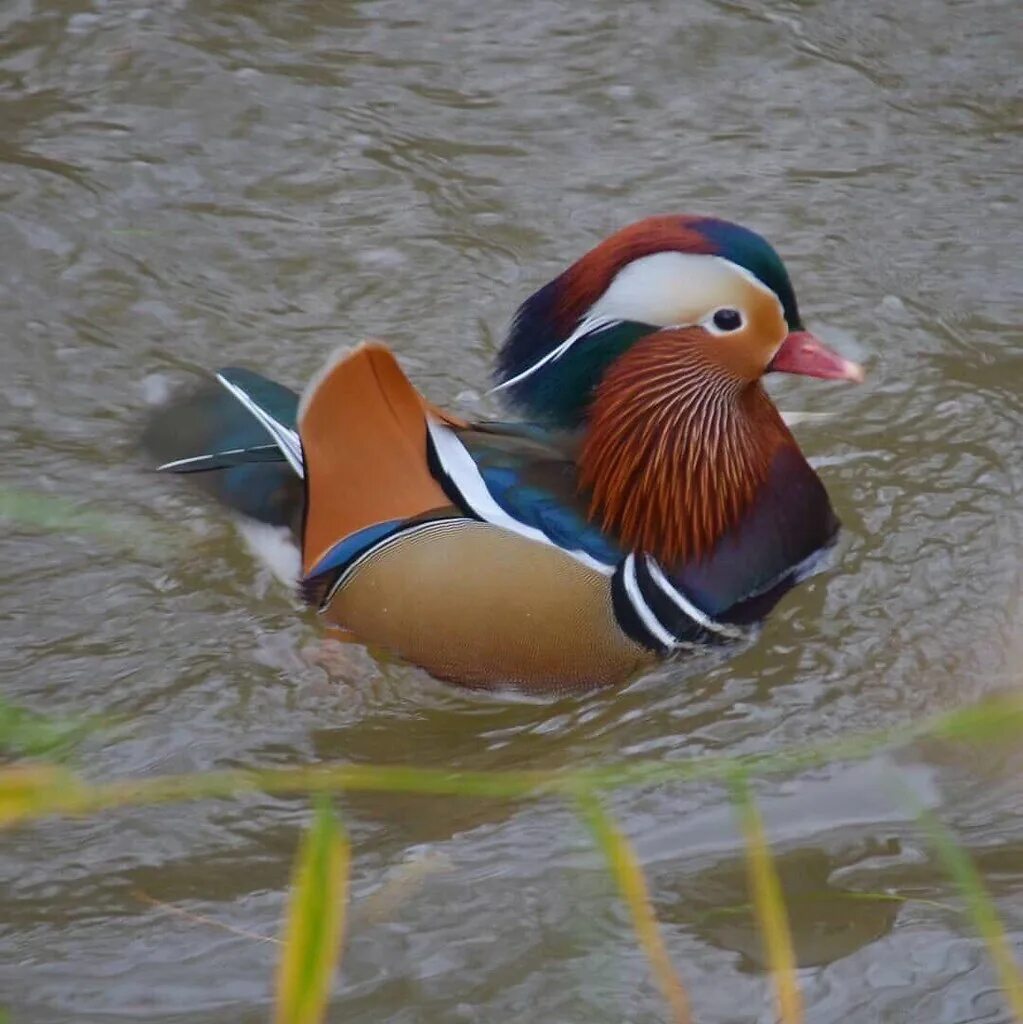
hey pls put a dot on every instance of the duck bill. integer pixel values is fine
(803, 352)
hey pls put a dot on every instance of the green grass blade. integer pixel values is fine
(768, 904)
(981, 907)
(25, 733)
(631, 882)
(55, 514)
(315, 921)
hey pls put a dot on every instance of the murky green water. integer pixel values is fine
(186, 184)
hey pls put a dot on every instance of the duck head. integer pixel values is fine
(653, 345)
(723, 283)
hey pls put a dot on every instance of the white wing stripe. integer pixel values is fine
(458, 464)
(197, 458)
(178, 463)
(286, 438)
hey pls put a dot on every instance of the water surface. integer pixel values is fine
(187, 184)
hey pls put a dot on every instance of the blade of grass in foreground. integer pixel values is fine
(961, 868)
(315, 923)
(631, 881)
(53, 513)
(996, 720)
(24, 787)
(768, 904)
(25, 733)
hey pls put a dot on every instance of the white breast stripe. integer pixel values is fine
(589, 326)
(643, 610)
(286, 438)
(686, 606)
(458, 464)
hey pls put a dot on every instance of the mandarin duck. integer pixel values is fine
(652, 498)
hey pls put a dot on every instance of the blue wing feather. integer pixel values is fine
(530, 472)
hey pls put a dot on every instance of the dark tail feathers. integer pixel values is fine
(230, 436)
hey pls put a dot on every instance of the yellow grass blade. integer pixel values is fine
(315, 921)
(768, 904)
(631, 881)
(996, 719)
(963, 871)
(25, 788)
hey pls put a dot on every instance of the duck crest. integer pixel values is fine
(590, 276)
(676, 449)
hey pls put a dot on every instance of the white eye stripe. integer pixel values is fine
(668, 290)
(655, 289)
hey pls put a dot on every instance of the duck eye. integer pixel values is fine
(727, 319)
